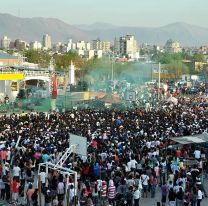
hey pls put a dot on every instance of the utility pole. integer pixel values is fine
(159, 71)
(112, 70)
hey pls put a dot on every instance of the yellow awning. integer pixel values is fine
(11, 76)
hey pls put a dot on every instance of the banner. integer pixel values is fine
(11, 76)
(54, 86)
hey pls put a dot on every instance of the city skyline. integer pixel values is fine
(148, 13)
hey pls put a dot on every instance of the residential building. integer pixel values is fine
(101, 45)
(81, 52)
(35, 45)
(89, 54)
(83, 45)
(57, 47)
(47, 43)
(98, 53)
(9, 60)
(129, 46)
(172, 46)
(19, 44)
(5, 42)
(70, 46)
(88, 45)
(116, 48)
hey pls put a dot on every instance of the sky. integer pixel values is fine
(147, 13)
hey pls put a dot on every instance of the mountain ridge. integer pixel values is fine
(33, 28)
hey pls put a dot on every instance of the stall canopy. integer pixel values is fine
(201, 138)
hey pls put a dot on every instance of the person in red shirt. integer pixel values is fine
(3, 154)
(85, 171)
(178, 153)
(94, 144)
(88, 191)
(15, 189)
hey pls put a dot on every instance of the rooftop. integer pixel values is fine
(7, 56)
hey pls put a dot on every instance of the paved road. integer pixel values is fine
(153, 201)
(4, 203)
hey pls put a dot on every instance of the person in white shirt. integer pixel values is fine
(129, 165)
(42, 179)
(136, 196)
(144, 181)
(133, 164)
(16, 172)
(197, 154)
(199, 197)
(60, 189)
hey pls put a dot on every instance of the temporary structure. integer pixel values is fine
(201, 138)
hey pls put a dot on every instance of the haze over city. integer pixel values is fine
(150, 13)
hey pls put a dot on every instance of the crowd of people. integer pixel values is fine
(130, 156)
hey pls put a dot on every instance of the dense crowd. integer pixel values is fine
(130, 155)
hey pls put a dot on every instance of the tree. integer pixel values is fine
(198, 58)
(167, 58)
(41, 58)
(177, 68)
(62, 61)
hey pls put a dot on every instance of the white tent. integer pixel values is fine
(201, 138)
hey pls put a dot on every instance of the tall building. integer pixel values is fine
(129, 46)
(82, 45)
(116, 48)
(47, 44)
(35, 45)
(5, 42)
(19, 44)
(172, 46)
(69, 45)
(101, 45)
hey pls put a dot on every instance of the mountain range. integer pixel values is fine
(30, 29)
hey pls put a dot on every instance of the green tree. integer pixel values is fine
(198, 58)
(167, 58)
(177, 68)
(42, 58)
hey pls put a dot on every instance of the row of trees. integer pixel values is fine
(61, 61)
(93, 67)
(175, 63)
(102, 68)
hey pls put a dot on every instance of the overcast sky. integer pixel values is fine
(118, 12)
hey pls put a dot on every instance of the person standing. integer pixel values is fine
(30, 192)
(171, 197)
(153, 184)
(103, 192)
(15, 189)
(179, 197)
(194, 197)
(164, 190)
(144, 181)
(111, 193)
(199, 197)
(16, 172)
(136, 196)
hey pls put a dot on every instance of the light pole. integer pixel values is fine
(159, 71)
